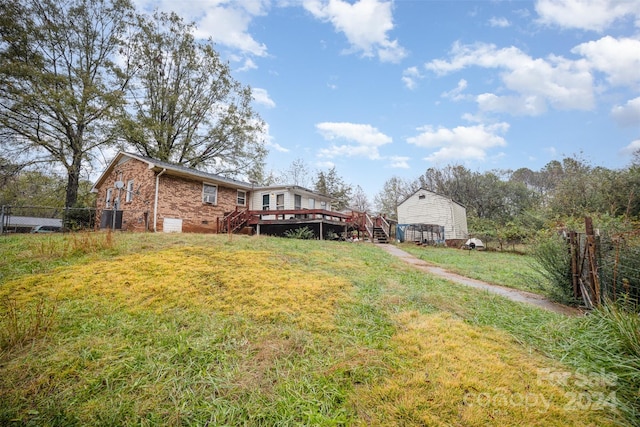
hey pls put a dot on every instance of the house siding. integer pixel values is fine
(289, 199)
(434, 209)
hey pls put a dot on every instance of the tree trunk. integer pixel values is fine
(73, 181)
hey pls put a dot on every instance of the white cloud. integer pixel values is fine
(619, 59)
(628, 114)
(269, 141)
(410, 77)
(225, 21)
(596, 15)
(249, 64)
(461, 142)
(365, 23)
(499, 22)
(456, 93)
(631, 148)
(556, 81)
(399, 162)
(365, 139)
(261, 96)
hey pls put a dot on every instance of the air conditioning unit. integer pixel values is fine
(209, 198)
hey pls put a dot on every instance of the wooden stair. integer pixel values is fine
(379, 236)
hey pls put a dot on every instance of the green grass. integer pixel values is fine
(153, 329)
(500, 268)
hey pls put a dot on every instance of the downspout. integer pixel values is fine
(155, 202)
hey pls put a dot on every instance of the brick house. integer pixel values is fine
(137, 193)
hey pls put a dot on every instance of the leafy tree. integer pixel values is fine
(185, 107)
(59, 83)
(33, 188)
(331, 184)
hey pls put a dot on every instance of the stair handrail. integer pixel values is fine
(386, 227)
(369, 225)
(234, 220)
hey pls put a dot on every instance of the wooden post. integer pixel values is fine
(573, 251)
(592, 261)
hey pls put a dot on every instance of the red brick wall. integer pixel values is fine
(182, 198)
(177, 198)
(139, 211)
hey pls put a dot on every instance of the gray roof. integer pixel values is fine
(174, 169)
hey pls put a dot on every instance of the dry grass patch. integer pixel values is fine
(252, 283)
(453, 373)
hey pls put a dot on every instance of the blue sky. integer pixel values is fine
(390, 88)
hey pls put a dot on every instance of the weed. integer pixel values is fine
(18, 324)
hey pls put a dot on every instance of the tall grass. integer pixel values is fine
(19, 324)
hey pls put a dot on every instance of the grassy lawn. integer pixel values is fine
(153, 329)
(500, 268)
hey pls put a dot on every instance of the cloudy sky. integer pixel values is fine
(381, 88)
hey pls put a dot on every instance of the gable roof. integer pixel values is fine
(432, 192)
(171, 169)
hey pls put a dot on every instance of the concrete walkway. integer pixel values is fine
(512, 294)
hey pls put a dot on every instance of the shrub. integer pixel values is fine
(304, 233)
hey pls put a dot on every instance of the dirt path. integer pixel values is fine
(512, 294)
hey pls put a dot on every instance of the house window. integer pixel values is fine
(109, 196)
(297, 201)
(280, 201)
(129, 196)
(242, 198)
(210, 194)
(265, 202)
(312, 203)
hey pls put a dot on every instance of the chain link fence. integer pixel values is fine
(28, 219)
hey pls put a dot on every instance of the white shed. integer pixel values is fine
(427, 207)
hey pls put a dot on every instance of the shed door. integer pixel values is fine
(172, 225)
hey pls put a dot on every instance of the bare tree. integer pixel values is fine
(359, 200)
(59, 82)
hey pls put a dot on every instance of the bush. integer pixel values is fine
(303, 233)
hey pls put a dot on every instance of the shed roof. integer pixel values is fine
(432, 192)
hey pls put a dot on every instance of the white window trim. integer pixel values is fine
(205, 196)
(280, 207)
(244, 198)
(129, 196)
(108, 198)
(268, 205)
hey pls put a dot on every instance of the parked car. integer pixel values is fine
(47, 229)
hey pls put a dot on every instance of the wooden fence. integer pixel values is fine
(603, 268)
